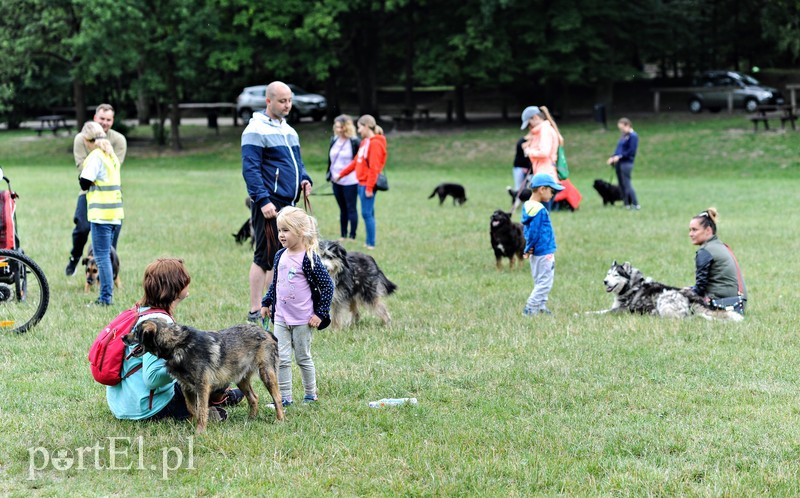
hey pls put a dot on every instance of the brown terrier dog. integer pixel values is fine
(92, 272)
(203, 361)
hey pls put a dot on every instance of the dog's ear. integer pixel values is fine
(627, 266)
(147, 332)
(85, 261)
(614, 263)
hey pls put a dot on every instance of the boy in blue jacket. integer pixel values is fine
(540, 242)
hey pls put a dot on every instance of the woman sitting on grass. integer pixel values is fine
(150, 393)
(718, 278)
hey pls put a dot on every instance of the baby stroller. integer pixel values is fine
(24, 293)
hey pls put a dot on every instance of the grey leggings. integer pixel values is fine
(297, 338)
(624, 170)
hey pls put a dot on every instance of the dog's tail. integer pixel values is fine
(433, 193)
(388, 284)
(712, 314)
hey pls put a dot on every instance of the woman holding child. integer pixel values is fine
(100, 177)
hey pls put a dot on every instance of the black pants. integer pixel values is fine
(80, 234)
(264, 253)
(176, 408)
(347, 198)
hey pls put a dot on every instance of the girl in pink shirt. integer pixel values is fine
(299, 299)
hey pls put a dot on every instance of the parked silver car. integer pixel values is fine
(748, 95)
(253, 98)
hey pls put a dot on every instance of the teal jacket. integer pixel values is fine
(148, 390)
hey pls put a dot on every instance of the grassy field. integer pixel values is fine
(575, 404)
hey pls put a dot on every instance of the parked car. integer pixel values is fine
(253, 98)
(748, 95)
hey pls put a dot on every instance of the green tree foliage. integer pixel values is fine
(167, 51)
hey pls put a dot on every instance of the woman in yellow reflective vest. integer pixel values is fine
(101, 179)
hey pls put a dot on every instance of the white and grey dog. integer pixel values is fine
(358, 282)
(635, 293)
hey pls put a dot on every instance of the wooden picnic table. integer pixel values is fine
(792, 92)
(52, 122)
(771, 111)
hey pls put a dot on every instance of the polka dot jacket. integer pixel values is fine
(318, 280)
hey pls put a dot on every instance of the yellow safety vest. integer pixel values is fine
(104, 198)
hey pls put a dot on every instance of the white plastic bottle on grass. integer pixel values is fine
(392, 402)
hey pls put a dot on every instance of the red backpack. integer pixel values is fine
(108, 351)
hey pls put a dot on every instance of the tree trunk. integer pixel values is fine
(174, 111)
(332, 91)
(142, 102)
(366, 57)
(461, 112)
(409, 60)
(79, 97)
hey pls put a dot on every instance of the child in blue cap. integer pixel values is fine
(540, 241)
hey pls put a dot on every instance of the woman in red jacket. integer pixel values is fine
(367, 164)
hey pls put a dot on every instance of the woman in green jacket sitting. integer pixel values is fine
(718, 278)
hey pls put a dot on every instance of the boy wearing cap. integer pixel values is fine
(540, 242)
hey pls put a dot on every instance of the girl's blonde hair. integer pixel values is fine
(302, 225)
(347, 125)
(552, 121)
(93, 132)
(369, 122)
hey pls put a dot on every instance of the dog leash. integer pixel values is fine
(307, 204)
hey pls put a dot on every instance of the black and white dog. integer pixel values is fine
(609, 192)
(635, 293)
(358, 281)
(456, 191)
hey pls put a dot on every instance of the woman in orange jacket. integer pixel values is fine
(541, 142)
(368, 164)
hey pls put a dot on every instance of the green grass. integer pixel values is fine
(575, 404)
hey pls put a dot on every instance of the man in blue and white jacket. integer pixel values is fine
(275, 176)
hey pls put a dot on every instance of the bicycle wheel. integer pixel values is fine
(24, 292)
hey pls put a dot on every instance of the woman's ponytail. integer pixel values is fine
(552, 121)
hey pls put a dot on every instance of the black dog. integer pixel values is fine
(358, 280)
(454, 190)
(609, 192)
(507, 238)
(246, 232)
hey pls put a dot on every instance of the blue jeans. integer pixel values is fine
(80, 234)
(347, 198)
(102, 238)
(624, 170)
(368, 213)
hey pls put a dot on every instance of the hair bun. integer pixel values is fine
(712, 214)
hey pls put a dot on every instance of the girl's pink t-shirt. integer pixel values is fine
(293, 305)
